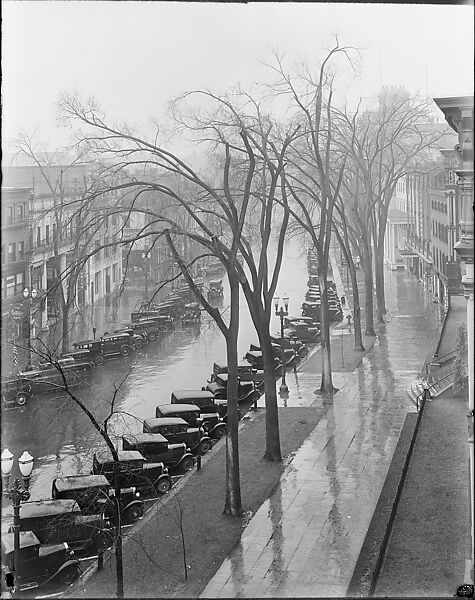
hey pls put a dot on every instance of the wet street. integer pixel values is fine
(60, 436)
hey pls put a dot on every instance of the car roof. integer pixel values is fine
(144, 438)
(216, 282)
(104, 456)
(27, 539)
(47, 508)
(77, 482)
(115, 335)
(184, 394)
(255, 353)
(165, 421)
(167, 409)
(86, 342)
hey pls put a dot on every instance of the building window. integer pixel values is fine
(96, 282)
(9, 215)
(38, 236)
(21, 250)
(10, 286)
(20, 213)
(47, 234)
(114, 273)
(11, 253)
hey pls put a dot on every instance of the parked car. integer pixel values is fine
(133, 469)
(192, 314)
(184, 406)
(162, 322)
(289, 321)
(215, 289)
(156, 448)
(219, 388)
(47, 381)
(213, 411)
(37, 564)
(57, 521)
(303, 331)
(255, 359)
(62, 362)
(137, 339)
(16, 391)
(290, 341)
(311, 309)
(288, 355)
(116, 344)
(245, 372)
(91, 350)
(177, 430)
(147, 327)
(94, 494)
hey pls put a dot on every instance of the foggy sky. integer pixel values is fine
(134, 56)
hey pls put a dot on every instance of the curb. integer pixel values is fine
(370, 559)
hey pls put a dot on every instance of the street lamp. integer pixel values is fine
(30, 296)
(282, 312)
(146, 257)
(17, 494)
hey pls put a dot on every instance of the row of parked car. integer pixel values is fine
(144, 327)
(83, 509)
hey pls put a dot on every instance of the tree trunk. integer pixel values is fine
(65, 327)
(326, 386)
(368, 278)
(356, 309)
(272, 452)
(119, 567)
(379, 279)
(232, 504)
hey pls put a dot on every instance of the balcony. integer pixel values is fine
(419, 246)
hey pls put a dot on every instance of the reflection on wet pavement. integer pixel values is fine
(305, 539)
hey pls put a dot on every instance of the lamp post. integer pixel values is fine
(30, 296)
(146, 257)
(282, 312)
(17, 494)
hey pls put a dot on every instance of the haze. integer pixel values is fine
(134, 56)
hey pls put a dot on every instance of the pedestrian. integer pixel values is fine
(357, 262)
(94, 332)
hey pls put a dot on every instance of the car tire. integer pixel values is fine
(99, 360)
(69, 574)
(152, 336)
(104, 540)
(205, 446)
(132, 514)
(21, 398)
(163, 485)
(206, 426)
(187, 464)
(219, 432)
(125, 351)
(139, 343)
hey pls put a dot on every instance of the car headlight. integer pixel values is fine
(137, 494)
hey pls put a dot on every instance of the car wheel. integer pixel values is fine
(21, 398)
(99, 360)
(125, 351)
(105, 540)
(139, 343)
(163, 485)
(206, 426)
(187, 464)
(133, 513)
(69, 574)
(205, 446)
(152, 336)
(219, 432)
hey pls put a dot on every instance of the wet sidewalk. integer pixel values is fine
(304, 541)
